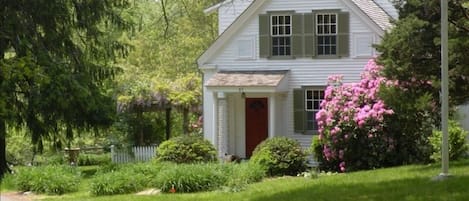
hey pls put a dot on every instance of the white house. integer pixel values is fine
(265, 74)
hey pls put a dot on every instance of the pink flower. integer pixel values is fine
(342, 166)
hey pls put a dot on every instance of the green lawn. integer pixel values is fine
(402, 183)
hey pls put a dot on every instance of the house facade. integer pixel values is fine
(266, 73)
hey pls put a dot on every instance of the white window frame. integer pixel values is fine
(313, 100)
(329, 26)
(283, 27)
(280, 25)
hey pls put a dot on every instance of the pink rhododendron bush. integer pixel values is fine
(354, 124)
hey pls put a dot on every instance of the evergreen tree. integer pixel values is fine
(55, 56)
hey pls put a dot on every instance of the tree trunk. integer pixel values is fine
(3, 160)
(185, 121)
(168, 123)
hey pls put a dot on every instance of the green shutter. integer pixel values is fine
(297, 35)
(309, 24)
(264, 36)
(299, 113)
(344, 35)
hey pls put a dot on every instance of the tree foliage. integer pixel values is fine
(161, 71)
(55, 57)
(411, 50)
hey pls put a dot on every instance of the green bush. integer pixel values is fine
(191, 177)
(94, 159)
(48, 179)
(280, 156)
(458, 146)
(186, 149)
(124, 179)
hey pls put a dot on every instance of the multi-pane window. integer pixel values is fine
(281, 35)
(313, 99)
(326, 30)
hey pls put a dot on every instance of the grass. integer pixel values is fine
(408, 183)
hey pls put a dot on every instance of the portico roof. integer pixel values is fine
(248, 79)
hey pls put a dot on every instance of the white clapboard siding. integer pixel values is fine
(304, 140)
(137, 153)
(229, 12)
(463, 116)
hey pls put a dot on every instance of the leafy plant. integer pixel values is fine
(280, 156)
(458, 146)
(191, 177)
(125, 179)
(119, 182)
(48, 179)
(186, 149)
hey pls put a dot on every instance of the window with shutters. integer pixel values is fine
(326, 31)
(306, 103)
(313, 98)
(281, 30)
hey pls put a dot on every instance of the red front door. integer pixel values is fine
(256, 123)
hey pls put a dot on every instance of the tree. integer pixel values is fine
(411, 50)
(170, 37)
(55, 57)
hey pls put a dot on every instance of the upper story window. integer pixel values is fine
(326, 31)
(281, 30)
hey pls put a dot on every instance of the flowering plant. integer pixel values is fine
(351, 122)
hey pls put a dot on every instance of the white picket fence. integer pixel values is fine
(135, 154)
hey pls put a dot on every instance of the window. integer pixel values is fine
(306, 103)
(326, 31)
(281, 27)
(313, 100)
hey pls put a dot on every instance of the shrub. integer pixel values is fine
(48, 179)
(191, 177)
(124, 179)
(357, 130)
(186, 149)
(94, 159)
(458, 146)
(280, 156)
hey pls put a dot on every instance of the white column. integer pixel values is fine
(222, 125)
(215, 121)
(272, 119)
